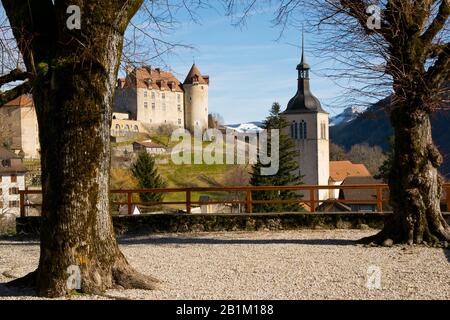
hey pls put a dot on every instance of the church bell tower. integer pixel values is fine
(308, 127)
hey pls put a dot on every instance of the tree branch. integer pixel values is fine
(14, 75)
(14, 93)
(440, 71)
(438, 22)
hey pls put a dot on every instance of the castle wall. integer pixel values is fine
(156, 107)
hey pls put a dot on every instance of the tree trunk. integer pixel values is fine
(414, 182)
(73, 98)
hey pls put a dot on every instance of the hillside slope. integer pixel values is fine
(373, 127)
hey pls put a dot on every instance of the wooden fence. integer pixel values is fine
(312, 202)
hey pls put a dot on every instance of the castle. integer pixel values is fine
(153, 97)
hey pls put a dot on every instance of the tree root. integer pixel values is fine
(127, 278)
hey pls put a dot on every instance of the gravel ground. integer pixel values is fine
(306, 264)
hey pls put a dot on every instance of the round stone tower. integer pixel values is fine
(196, 100)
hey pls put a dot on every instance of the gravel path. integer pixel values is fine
(306, 264)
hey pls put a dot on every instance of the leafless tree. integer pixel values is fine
(402, 52)
(72, 74)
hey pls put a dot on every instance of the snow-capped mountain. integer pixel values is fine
(254, 126)
(347, 115)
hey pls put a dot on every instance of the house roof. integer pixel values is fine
(361, 194)
(149, 144)
(21, 101)
(195, 75)
(340, 170)
(7, 155)
(149, 78)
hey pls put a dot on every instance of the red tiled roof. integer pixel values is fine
(339, 170)
(21, 101)
(195, 75)
(149, 78)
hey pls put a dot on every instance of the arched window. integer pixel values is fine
(136, 128)
(127, 128)
(117, 126)
(292, 129)
(303, 132)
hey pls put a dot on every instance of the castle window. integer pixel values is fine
(145, 93)
(136, 128)
(163, 95)
(153, 106)
(153, 95)
(179, 108)
(179, 97)
(13, 191)
(145, 105)
(117, 127)
(127, 128)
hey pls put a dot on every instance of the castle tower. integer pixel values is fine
(308, 127)
(196, 100)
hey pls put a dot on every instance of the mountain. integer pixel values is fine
(347, 115)
(373, 127)
(254, 126)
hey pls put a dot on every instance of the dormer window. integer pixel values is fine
(6, 163)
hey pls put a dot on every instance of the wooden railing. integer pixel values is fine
(311, 190)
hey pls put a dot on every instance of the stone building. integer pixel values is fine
(155, 97)
(308, 127)
(12, 179)
(19, 123)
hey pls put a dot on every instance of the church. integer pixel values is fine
(308, 127)
(154, 97)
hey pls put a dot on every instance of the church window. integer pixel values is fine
(295, 130)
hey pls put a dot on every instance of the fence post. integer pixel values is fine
(448, 198)
(22, 203)
(129, 202)
(379, 200)
(188, 201)
(249, 201)
(312, 199)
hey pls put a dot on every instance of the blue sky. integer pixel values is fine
(248, 68)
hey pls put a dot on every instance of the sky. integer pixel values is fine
(249, 68)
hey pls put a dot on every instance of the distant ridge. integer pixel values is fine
(373, 127)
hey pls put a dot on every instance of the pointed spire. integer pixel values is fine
(303, 48)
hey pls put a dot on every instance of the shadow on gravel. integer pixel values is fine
(195, 240)
(15, 292)
(447, 254)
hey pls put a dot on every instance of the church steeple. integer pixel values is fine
(304, 100)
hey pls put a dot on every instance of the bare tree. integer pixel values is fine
(399, 48)
(72, 73)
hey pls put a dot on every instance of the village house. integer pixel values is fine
(12, 179)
